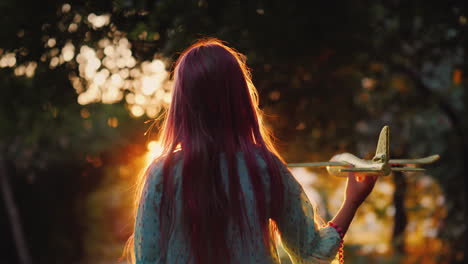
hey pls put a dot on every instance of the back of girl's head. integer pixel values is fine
(213, 97)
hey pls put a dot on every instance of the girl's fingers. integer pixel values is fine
(357, 177)
(362, 177)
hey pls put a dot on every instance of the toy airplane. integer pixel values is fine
(380, 163)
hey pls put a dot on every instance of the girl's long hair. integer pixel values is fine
(214, 110)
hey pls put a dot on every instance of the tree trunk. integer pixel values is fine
(13, 216)
(400, 219)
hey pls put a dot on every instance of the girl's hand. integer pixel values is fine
(359, 184)
(358, 187)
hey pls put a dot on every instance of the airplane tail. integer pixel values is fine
(383, 145)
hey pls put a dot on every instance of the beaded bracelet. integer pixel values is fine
(341, 233)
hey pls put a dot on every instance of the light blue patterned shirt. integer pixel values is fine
(301, 237)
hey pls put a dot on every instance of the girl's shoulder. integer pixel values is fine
(155, 169)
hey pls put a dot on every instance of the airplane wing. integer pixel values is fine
(361, 169)
(318, 164)
(425, 160)
(408, 169)
(378, 170)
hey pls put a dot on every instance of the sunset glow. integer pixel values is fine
(154, 150)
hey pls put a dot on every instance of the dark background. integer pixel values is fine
(330, 75)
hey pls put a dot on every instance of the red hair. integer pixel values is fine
(214, 110)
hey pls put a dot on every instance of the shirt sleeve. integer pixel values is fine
(301, 237)
(146, 232)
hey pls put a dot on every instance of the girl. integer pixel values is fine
(220, 193)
